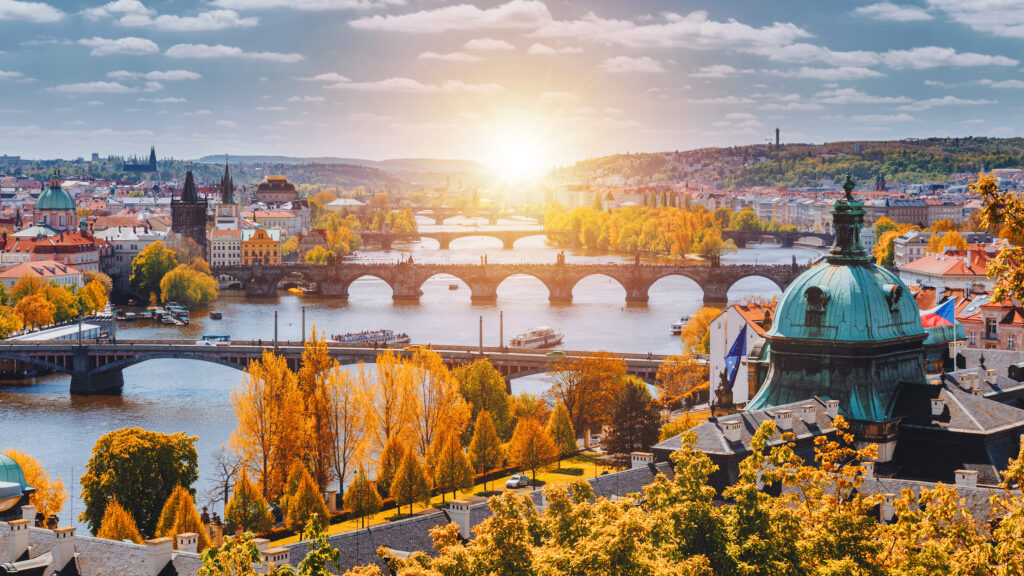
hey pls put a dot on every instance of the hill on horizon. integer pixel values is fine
(433, 165)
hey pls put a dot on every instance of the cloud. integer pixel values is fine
(226, 123)
(545, 50)
(410, 86)
(722, 100)
(854, 96)
(153, 86)
(127, 45)
(944, 101)
(627, 65)
(306, 5)
(133, 13)
(170, 100)
(489, 44)
(307, 99)
(169, 75)
(450, 57)
(717, 71)
(517, 14)
(117, 8)
(917, 58)
(934, 57)
(29, 11)
(10, 75)
(197, 113)
(893, 12)
(1002, 83)
(207, 51)
(271, 108)
(556, 97)
(369, 117)
(790, 106)
(326, 77)
(92, 88)
(997, 17)
(829, 74)
(883, 118)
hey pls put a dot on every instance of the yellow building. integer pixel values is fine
(261, 246)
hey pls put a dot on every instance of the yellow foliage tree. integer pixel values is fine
(35, 310)
(318, 439)
(411, 483)
(49, 495)
(306, 501)
(390, 400)
(937, 244)
(438, 402)
(10, 321)
(696, 333)
(346, 417)
(247, 510)
(531, 446)
(118, 524)
(679, 374)
(179, 516)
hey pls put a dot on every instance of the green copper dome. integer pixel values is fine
(11, 472)
(55, 198)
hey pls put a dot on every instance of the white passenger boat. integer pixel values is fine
(539, 337)
(677, 327)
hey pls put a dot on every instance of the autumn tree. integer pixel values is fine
(531, 447)
(484, 388)
(411, 483)
(390, 400)
(943, 225)
(92, 297)
(437, 402)
(713, 247)
(361, 498)
(312, 379)
(35, 310)
(449, 465)
(305, 502)
(525, 405)
(235, 557)
(118, 524)
(561, 432)
(139, 468)
(679, 374)
(635, 421)
(10, 321)
(247, 510)
(346, 417)
(179, 516)
(883, 225)
(105, 281)
(485, 446)
(696, 333)
(388, 462)
(938, 243)
(269, 432)
(587, 386)
(26, 286)
(65, 304)
(149, 268)
(49, 495)
(318, 255)
(1004, 210)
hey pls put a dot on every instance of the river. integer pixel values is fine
(41, 418)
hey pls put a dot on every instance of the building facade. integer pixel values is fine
(261, 246)
(276, 190)
(188, 213)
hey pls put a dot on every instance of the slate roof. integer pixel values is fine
(964, 412)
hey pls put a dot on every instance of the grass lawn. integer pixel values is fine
(575, 468)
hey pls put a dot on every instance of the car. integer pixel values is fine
(555, 354)
(414, 348)
(517, 481)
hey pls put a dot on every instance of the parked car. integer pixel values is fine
(517, 481)
(555, 354)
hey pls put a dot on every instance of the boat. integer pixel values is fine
(372, 338)
(296, 290)
(216, 315)
(171, 320)
(539, 337)
(453, 286)
(677, 327)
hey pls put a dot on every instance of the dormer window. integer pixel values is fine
(893, 293)
(817, 302)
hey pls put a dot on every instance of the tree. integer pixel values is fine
(306, 503)
(103, 279)
(531, 447)
(319, 255)
(247, 510)
(937, 244)
(483, 388)
(118, 524)
(884, 250)
(346, 417)
(437, 402)
(485, 447)
(65, 304)
(290, 246)
(696, 333)
(149, 268)
(411, 484)
(49, 495)
(186, 250)
(587, 387)
(92, 297)
(561, 432)
(322, 558)
(883, 225)
(189, 286)
(10, 321)
(362, 499)
(139, 468)
(35, 310)
(226, 468)
(526, 405)
(680, 374)
(1003, 210)
(236, 557)
(745, 220)
(636, 421)
(179, 516)
(943, 225)
(450, 465)
(390, 400)
(26, 286)
(388, 463)
(713, 247)
(269, 432)
(314, 368)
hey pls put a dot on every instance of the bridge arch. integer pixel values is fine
(464, 289)
(680, 282)
(41, 363)
(755, 287)
(812, 241)
(526, 282)
(350, 282)
(494, 242)
(603, 290)
(170, 355)
(540, 233)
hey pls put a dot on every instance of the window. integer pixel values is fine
(973, 340)
(1010, 342)
(990, 328)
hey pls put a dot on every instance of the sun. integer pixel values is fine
(519, 150)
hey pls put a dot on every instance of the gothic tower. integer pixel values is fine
(188, 213)
(227, 212)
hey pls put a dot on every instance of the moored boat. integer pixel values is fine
(539, 337)
(372, 338)
(677, 327)
(216, 315)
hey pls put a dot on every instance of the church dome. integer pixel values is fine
(11, 472)
(55, 198)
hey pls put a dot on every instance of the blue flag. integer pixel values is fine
(732, 359)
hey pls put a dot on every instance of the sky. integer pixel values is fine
(519, 85)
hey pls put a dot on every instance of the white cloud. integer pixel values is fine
(207, 51)
(545, 50)
(722, 100)
(93, 88)
(1002, 83)
(369, 117)
(326, 77)
(556, 97)
(29, 11)
(517, 14)
(171, 100)
(829, 74)
(226, 123)
(883, 118)
(153, 86)
(934, 57)
(197, 113)
(307, 99)
(717, 71)
(944, 101)
(410, 86)
(450, 57)
(117, 8)
(489, 44)
(626, 65)
(791, 106)
(169, 75)
(893, 12)
(306, 5)
(127, 45)
(997, 17)
(271, 108)
(10, 75)
(133, 13)
(854, 96)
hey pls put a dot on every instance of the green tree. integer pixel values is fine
(531, 446)
(140, 468)
(236, 557)
(118, 524)
(319, 255)
(306, 503)
(247, 510)
(483, 387)
(390, 459)
(411, 484)
(713, 247)
(361, 498)
(635, 423)
(561, 432)
(745, 220)
(149, 268)
(485, 447)
(188, 286)
(450, 465)
(322, 558)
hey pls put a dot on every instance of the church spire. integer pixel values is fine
(847, 221)
(189, 194)
(227, 186)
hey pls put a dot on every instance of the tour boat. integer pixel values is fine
(215, 316)
(296, 290)
(372, 338)
(677, 327)
(539, 337)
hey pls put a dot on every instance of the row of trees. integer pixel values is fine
(32, 302)
(174, 272)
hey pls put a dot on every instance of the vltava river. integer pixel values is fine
(40, 417)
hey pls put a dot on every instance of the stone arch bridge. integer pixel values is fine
(785, 239)
(444, 238)
(407, 279)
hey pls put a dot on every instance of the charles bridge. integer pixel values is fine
(444, 238)
(96, 368)
(406, 279)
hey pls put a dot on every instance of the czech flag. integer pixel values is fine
(736, 353)
(941, 315)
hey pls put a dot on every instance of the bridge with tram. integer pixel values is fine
(96, 368)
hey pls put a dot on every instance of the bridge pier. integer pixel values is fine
(636, 294)
(85, 382)
(560, 294)
(444, 243)
(259, 289)
(331, 289)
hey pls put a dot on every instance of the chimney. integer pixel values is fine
(976, 391)
(832, 408)
(277, 556)
(28, 512)
(888, 508)
(261, 543)
(63, 547)
(331, 499)
(458, 511)
(731, 429)
(783, 420)
(869, 468)
(158, 555)
(808, 414)
(938, 406)
(990, 375)
(640, 459)
(966, 478)
(18, 543)
(188, 542)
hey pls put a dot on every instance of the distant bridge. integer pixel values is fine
(441, 213)
(785, 239)
(483, 280)
(444, 238)
(97, 368)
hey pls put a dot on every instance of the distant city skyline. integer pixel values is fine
(520, 85)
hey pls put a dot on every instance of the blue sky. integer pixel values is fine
(524, 82)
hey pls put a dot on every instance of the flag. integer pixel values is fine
(732, 359)
(941, 315)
